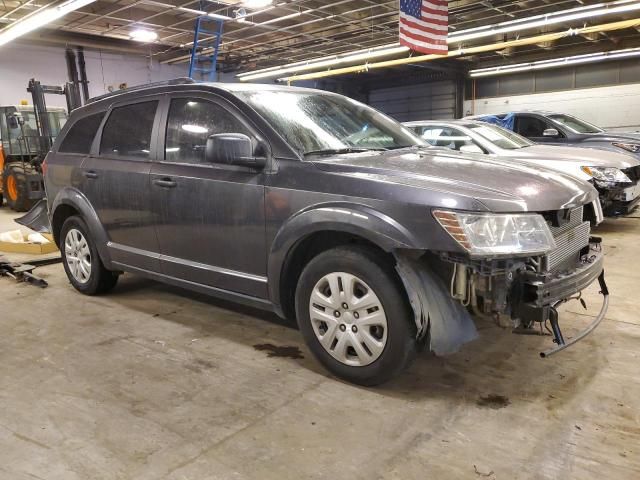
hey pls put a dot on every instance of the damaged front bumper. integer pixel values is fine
(535, 297)
(505, 291)
(619, 200)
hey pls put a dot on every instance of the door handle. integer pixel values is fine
(165, 183)
(90, 174)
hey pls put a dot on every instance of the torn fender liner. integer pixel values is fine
(450, 324)
(36, 219)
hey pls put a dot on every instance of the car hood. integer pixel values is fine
(580, 156)
(613, 136)
(457, 179)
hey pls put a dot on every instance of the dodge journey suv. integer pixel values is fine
(321, 209)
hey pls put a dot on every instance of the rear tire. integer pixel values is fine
(365, 332)
(81, 260)
(15, 188)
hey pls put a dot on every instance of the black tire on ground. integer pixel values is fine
(379, 274)
(21, 202)
(100, 280)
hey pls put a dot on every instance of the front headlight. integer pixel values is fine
(606, 175)
(629, 147)
(498, 234)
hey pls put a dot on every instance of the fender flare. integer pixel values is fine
(350, 218)
(72, 197)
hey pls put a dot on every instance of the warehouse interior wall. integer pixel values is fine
(21, 62)
(614, 107)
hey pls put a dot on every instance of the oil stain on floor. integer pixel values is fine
(279, 351)
(493, 401)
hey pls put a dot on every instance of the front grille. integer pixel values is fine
(633, 173)
(570, 238)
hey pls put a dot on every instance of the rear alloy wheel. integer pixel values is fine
(81, 260)
(78, 255)
(354, 315)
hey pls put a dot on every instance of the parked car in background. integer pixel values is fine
(562, 129)
(320, 208)
(614, 174)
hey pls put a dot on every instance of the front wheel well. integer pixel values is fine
(59, 216)
(308, 248)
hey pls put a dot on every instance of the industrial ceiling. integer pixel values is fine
(300, 30)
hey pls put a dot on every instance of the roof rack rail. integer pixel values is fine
(165, 83)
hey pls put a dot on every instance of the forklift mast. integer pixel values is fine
(38, 92)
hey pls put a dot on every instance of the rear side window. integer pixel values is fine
(127, 132)
(80, 137)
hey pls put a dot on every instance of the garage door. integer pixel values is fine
(426, 101)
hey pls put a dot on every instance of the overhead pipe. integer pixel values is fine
(606, 27)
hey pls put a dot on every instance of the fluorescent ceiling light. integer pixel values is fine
(39, 19)
(255, 4)
(142, 35)
(555, 63)
(562, 16)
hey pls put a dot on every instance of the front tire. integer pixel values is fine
(354, 315)
(81, 260)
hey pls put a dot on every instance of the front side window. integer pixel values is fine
(80, 136)
(315, 123)
(127, 132)
(446, 137)
(574, 124)
(191, 122)
(501, 137)
(530, 127)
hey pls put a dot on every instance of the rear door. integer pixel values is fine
(211, 225)
(115, 179)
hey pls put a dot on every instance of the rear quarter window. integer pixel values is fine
(80, 136)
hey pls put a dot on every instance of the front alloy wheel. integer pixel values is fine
(348, 319)
(354, 314)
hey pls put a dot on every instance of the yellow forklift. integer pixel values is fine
(24, 142)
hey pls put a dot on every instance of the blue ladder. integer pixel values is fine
(205, 64)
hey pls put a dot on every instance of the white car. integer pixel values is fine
(615, 175)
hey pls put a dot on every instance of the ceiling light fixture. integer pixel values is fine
(255, 4)
(39, 18)
(143, 35)
(556, 62)
(577, 13)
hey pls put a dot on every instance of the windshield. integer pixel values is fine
(501, 137)
(314, 122)
(574, 124)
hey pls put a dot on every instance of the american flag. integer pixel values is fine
(424, 25)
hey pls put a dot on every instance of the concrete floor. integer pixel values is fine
(152, 382)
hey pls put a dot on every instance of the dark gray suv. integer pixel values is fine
(319, 208)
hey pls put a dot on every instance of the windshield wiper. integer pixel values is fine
(340, 151)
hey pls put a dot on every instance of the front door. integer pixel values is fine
(115, 179)
(533, 127)
(211, 221)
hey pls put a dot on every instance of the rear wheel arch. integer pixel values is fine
(71, 202)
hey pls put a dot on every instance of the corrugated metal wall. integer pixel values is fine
(434, 100)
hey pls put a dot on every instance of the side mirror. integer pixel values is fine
(471, 149)
(233, 149)
(551, 132)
